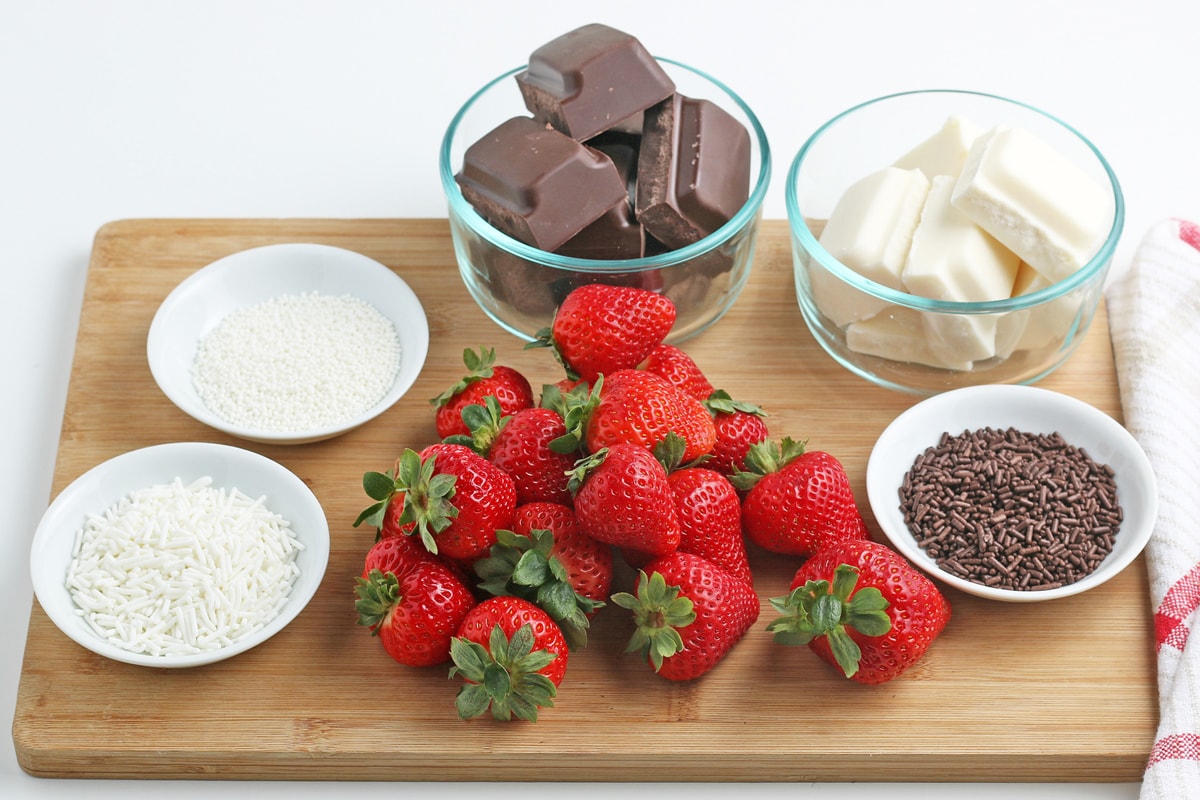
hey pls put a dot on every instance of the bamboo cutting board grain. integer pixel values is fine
(1050, 691)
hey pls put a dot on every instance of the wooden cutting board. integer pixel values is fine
(1051, 691)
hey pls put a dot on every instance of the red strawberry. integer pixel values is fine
(738, 425)
(525, 448)
(511, 657)
(710, 519)
(599, 329)
(622, 498)
(639, 407)
(689, 614)
(415, 612)
(862, 607)
(483, 379)
(797, 501)
(589, 563)
(678, 369)
(454, 499)
(395, 554)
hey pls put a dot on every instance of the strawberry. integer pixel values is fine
(589, 563)
(689, 614)
(710, 519)
(679, 369)
(511, 657)
(797, 501)
(453, 498)
(622, 498)
(395, 554)
(483, 379)
(531, 445)
(525, 448)
(738, 425)
(415, 612)
(641, 408)
(598, 329)
(861, 607)
(526, 566)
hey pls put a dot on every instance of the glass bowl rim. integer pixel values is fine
(803, 236)
(478, 225)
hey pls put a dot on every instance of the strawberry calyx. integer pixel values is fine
(575, 406)
(659, 611)
(427, 494)
(820, 609)
(544, 338)
(484, 421)
(578, 473)
(720, 402)
(525, 567)
(764, 458)
(479, 366)
(378, 594)
(504, 676)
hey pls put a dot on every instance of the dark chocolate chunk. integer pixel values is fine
(537, 185)
(591, 79)
(693, 170)
(616, 235)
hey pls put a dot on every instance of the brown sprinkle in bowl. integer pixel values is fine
(1012, 492)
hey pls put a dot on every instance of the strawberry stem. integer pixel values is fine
(505, 676)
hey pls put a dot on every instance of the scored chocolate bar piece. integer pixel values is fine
(591, 79)
(538, 185)
(693, 170)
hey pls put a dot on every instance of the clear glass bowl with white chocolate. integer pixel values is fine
(946, 238)
(519, 285)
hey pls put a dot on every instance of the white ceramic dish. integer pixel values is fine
(1029, 409)
(229, 467)
(201, 301)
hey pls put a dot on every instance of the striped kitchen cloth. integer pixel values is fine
(1154, 319)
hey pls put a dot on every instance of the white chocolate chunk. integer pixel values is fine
(869, 231)
(899, 334)
(953, 259)
(945, 152)
(1034, 200)
(1033, 328)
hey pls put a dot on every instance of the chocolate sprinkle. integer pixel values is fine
(1011, 509)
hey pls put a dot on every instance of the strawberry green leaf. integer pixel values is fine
(378, 594)
(820, 609)
(504, 676)
(659, 611)
(720, 402)
(479, 366)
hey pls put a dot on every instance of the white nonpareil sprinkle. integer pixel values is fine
(297, 362)
(175, 569)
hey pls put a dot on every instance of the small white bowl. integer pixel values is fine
(201, 301)
(229, 467)
(1028, 409)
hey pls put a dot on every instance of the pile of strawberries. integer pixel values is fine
(496, 545)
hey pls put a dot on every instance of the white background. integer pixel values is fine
(235, 108)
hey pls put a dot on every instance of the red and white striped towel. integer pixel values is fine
(1154, 318)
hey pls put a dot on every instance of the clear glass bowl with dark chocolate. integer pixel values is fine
(598, 163)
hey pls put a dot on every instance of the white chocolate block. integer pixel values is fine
(869, 231)
(952, 258)
(945, 152)
(1033, 328)
(1034, 200)
(898, 334)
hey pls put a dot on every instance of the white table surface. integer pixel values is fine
(236, 108)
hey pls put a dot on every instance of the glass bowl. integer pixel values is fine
(520, 286)
(1035, 332)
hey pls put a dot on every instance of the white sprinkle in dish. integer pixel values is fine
(176, 569)
(297, 362)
